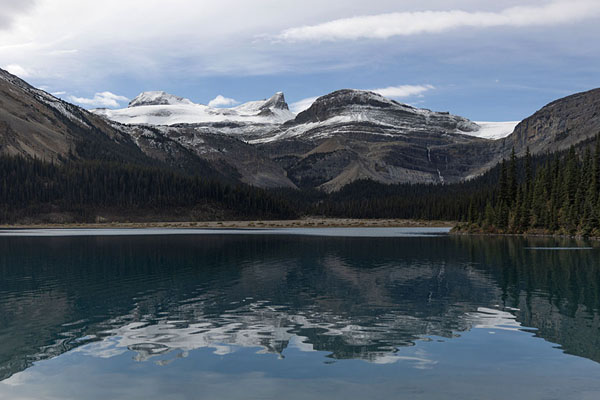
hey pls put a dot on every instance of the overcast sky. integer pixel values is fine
(486, 60)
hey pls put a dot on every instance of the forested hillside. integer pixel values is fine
(562, 196)
(554, 193)
(32, 190)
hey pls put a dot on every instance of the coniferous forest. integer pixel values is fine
(561, 196)
(551, 194)
(84, 190)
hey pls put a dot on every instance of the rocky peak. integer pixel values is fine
(363, 106)
(277, 101)
(345, 102)
(157, 98)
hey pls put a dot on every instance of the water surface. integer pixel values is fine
(297, 314)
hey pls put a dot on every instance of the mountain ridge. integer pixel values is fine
(157, 98)
(344, 136)
(161, 108)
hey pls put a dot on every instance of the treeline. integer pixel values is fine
(29, 188)
(368, 199)
(562, 196)
(553, 193)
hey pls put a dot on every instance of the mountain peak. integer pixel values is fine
(277, 101)
(359, 97)
(347, 101)
(157, 98)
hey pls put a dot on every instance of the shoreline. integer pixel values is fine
(526, 235)
(298, 223)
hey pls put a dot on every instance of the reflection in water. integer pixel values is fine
(353, 298)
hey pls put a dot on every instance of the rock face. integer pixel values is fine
(557, 126)
(275, 102)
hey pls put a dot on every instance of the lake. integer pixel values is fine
(297, 314)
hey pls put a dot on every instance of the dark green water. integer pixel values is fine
(297, 317)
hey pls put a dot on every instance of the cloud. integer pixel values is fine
(103, 99)
(221, 101)
(398, 92)
(394, 92)
(176, 48)
(384, 26)
(10, 9)
(17, 70)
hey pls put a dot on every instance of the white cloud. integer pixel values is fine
(221, 101)
(66, 45)
(17, 70)
(68, 40)
(103, 99)
(398, 92)
(394, 92)
(384, 26)
(11, 9)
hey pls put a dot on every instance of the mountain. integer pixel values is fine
(227, 154)
(160, 108)
(214, 135)
(557, 126)
(157, 99)
(350, 134)
(34, 123)
(342, 137)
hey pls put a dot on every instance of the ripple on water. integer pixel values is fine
(559, 248)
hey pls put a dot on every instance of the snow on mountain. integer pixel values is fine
(160, 108)
(340, 112)
(494, 130)
(158, 98)
(263, 121)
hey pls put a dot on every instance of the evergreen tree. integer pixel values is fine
(512, 179)
(504, 195)
(490, 217)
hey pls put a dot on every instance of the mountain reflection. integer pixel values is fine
(353, 298)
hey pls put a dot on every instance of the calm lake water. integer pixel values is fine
(327, 314)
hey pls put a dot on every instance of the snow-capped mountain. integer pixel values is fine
(160, 108)
(158, 98)
(352, 134)
(344, 136)
(334, 112)
(248, 119)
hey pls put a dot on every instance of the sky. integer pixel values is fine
(486, 60)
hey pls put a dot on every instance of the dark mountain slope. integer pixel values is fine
(557, 126)
(36, 124)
